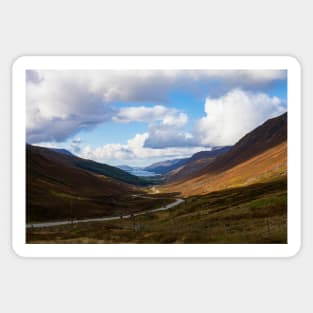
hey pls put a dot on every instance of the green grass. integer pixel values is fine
(252, 214)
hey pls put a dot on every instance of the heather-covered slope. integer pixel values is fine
(259, 156)
(268, 135)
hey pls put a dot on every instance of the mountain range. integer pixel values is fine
(61, 185)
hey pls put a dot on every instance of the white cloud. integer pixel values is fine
(59, 106)
(165, 125)
(60, 103)
(177, 120)
(168, 135)
(75, 145)
(134, 152)
(231, 116)
(228, 118)
(151, 114)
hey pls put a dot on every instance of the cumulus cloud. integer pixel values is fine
(163, 136)
(169, 133)
(150, 114)
(166, 127)
(231, 116)
(58, 107)
(62, 102)
(135, 153)
(226, 120)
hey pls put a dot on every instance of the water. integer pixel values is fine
(141, 173)
(137, 171)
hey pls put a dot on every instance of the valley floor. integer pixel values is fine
(251, 214)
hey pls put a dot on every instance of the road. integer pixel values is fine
(108, 218)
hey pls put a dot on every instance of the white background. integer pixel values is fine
(165, 28)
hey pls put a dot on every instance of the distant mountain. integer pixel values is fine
(173, 169)
(216, 151)
(125, 168)
(62, 151)
(195, 164)
(259, 156)
(165, 166)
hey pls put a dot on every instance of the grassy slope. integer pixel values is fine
(266, 136)
(266, 166)
(251, 214)
(58, 190)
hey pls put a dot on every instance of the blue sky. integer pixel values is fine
(140, 117)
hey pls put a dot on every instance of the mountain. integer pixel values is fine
(165, 166)
(63, 151)
(71, 160)
(58, 189)
(259, 156)
(270, 134)
(171, 167)
(65, 187)
(195, 164)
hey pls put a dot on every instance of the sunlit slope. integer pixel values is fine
(198, 162)
(267, 166)
(259, 156)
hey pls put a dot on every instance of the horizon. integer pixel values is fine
(137, 118)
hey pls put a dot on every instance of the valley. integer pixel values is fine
(254, 214)
(234, 194)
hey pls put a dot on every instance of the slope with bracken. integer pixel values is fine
(259, 156)
(62, 186)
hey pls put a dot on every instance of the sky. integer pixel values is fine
(138, 117)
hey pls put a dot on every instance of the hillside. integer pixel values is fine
(252, 214)
(259, 156)
(70, 160)
(166, 166)
(195, 164)
(59, 188)
(62, 151)
(268, 135)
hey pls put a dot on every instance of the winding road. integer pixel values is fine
(177, 202)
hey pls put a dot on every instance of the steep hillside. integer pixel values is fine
(70, 160)
(195, 164)
(58, 189)
(268, 135)
(259, 156)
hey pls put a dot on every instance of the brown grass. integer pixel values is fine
(271, 164)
